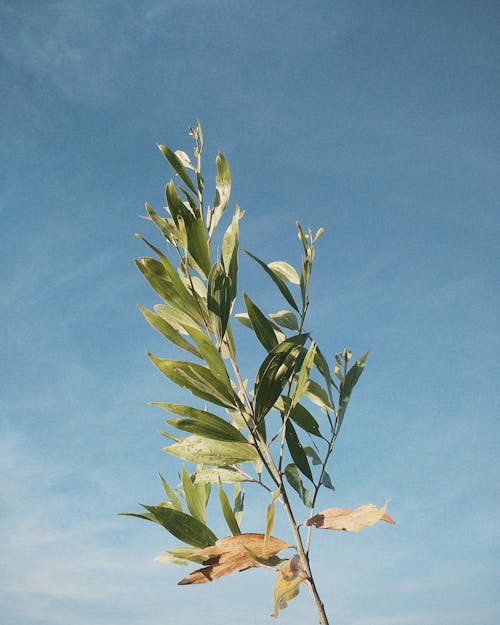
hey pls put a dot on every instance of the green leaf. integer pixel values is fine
(317, 395)
(349, 383)
(229, 256)
(211, 355)
(244, 319)
(222, 190)
(275, 371)
(228, 513)
(166, 225)
(147, 516)
(219, 300)
(174, 500)
(195, 500)
(285, 271)
(177, 165)
(198, 379)
(183, 526)
(168, 331)
(324, 369)
(262, 327)
(175, 317)
(327, 482)
(299, 415)
(181, 555)
(239, 502)
(297, 451)
(286, 319)
(277, 281)
(303, 378)
(212, 452)
(293, 477)
(173, 293)
(272, 561)
(202, 423)
(312, 453)
(270, 518)
(197, 243)
(223, 475)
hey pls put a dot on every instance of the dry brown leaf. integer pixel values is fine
(288, 580)
(350, 520)
(230, 555)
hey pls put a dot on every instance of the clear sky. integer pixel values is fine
(375, 119)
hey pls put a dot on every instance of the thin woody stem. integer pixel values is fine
(304, 559)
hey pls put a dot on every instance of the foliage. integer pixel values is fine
(261, 432)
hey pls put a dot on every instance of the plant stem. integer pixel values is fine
(304, 559)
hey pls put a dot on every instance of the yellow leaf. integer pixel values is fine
(288, 580)
(230, 554)
(350, 520)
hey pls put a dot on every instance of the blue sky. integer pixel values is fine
(376, 120)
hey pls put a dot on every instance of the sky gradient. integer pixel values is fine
(377, 121)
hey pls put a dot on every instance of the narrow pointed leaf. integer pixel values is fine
(303, 377)
(286, 319)
(211, 355)
(293, 478)
(285, 291)
(183, 526)
(239, 502)
(202, 423)
(219, 300)
(229, 254)
(326, 481)
(260, 324)
(270, 517)
(285, 271)
(317, 395)
(304, 419)
(275, 371)
(224, 475)
(147, 516)
(174, 500)
(175, 317)
(194, 501)
(313, 454)
(159, 280)
(168, 331)
(297, 451)
(177, 165)
(198, 379)
(222, 190)
(349, 383)
(228, 513)
(212, 452)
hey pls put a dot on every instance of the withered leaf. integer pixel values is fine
(288, 580)
(350, 520)
(232, 554)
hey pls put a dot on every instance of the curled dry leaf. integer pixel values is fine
(288, 580)
(232, 554)
(350, 520)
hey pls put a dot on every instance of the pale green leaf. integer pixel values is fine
(174, 500)
(212, 452)
(286, 319)
(285, 271)
(222, 475)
